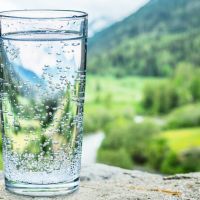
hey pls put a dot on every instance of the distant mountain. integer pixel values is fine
(27, 75)
(151, 41)
(30, 81)
(98, 24)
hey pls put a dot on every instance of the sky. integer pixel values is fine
(101, 12)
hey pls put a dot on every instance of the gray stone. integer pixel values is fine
(102, 182)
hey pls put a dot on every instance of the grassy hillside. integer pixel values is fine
(122, 91)
(152, 41)
(109, 97)
(183, 139)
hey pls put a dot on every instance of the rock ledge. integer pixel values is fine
(102, 182)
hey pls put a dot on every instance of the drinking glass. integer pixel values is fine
(42, 86)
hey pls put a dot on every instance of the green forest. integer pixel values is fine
(151, 42)
(147, 66)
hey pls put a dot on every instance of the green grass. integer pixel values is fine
(182, 139)
(1, 161)
(117, 94)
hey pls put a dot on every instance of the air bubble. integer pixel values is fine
(62, 76)
(59, 67)
(75, 44)
(38, 85)
(50, 113)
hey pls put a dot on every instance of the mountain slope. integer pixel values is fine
(151, 41)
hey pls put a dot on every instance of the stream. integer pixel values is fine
(91, 144)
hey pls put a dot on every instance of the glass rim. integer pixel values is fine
(77, 14)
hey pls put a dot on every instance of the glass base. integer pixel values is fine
(38, 190)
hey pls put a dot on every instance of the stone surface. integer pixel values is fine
(101, 182)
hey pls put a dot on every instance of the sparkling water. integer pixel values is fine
(42, 83)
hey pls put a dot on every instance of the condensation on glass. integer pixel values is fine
(42, 86)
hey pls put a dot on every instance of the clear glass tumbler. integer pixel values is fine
(42, 86)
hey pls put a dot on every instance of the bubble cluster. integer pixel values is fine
(42, 102)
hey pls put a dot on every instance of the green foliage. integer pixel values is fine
(108, 98)
(190, 160)
(134, 138)
(181, 151)
(164, 159)
(171, 164)
(187, 116)
(1, 161)
(159, 98)
(147, 55)
(96, 120)
(118, 158)
(182, 89)
(186, 81)
(137, 140)
(137, 46)
(195, 87)
(0, 142)
(160, 16)
(186, 162)
(1, 156)
(157, 151)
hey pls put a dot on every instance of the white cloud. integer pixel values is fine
(7, 5)
(96, 8)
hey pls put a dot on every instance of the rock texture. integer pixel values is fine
(102, 182)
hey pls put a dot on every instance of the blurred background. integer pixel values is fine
(142, 107)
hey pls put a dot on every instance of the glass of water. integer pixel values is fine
(42, 86)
